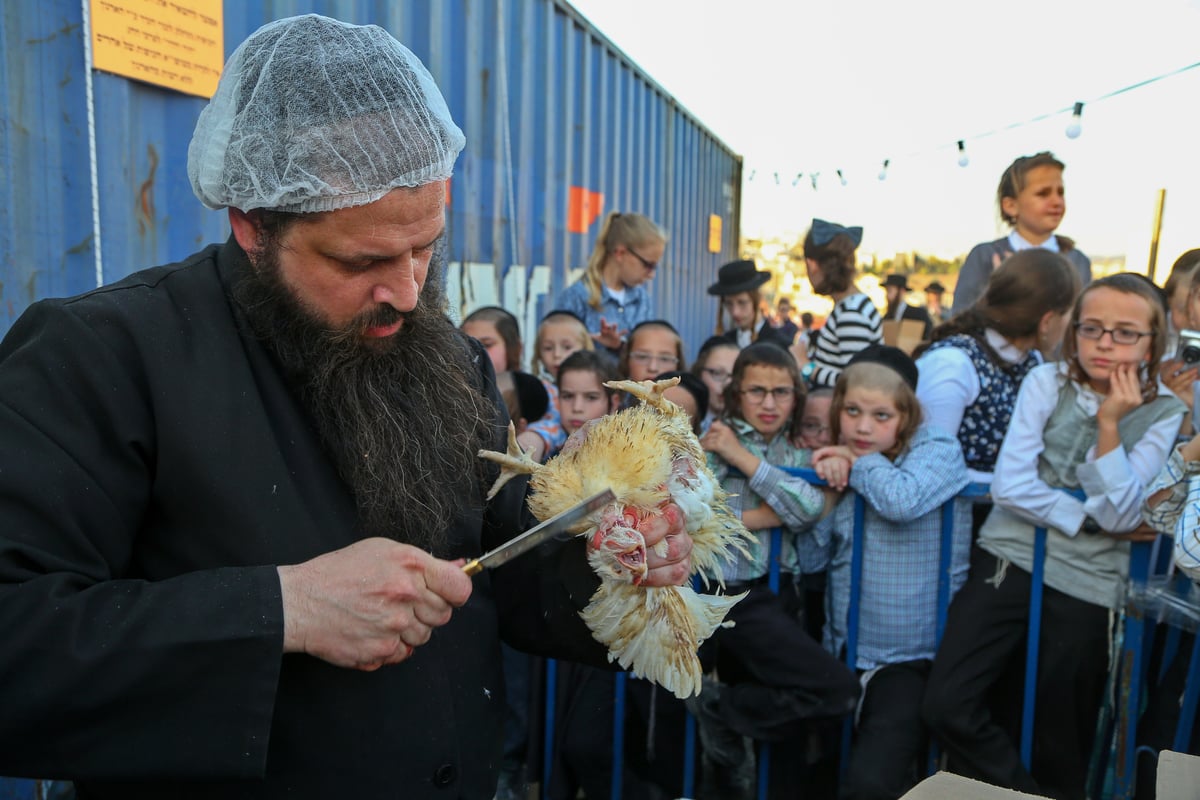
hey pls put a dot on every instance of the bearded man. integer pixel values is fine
(236, 492)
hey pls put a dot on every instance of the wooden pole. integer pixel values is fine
(1158, 215)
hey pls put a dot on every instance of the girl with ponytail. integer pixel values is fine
(611, 296)
(972, 370)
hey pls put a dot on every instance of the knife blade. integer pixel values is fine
(538, 534)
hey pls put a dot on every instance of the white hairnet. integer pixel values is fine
(313, 114)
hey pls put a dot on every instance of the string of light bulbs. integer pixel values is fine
(1073, 130)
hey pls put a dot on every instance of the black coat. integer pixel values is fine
(766, 333)
(155, 469)
(920, 314)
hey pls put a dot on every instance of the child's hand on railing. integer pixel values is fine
(833, 464)
(1142, 533)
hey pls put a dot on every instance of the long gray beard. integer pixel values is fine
(402, 418)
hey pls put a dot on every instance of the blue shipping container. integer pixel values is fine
(561, 127)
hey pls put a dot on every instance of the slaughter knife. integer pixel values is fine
(538, 534)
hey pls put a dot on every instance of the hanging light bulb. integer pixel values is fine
(963, 158)
(776, 178)
(812, 176)
(841, 177)
(1075, 127)
(883, 170)
(796, 179)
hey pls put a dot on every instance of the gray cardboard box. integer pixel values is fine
(948, 786)
(1178, 776)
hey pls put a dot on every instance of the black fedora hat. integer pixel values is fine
(738, 276)
(899, 281)
(935, 288)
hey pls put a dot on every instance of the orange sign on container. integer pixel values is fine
(714, 233)
(582, 208)
(177, 44)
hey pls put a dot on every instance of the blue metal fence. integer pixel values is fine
(1151, 599)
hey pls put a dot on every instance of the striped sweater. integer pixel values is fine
(853, 324)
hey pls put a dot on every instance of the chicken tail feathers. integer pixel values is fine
(655, 633)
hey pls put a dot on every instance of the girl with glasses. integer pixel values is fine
(653, 347)
(815, 428)
(611, 297)
(1099, 422)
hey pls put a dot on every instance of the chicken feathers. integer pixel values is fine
(650, 458)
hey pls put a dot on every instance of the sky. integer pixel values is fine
(804, 87)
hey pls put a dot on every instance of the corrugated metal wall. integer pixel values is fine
(546, 103)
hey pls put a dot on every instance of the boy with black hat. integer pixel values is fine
(738, 285)
(934, 292)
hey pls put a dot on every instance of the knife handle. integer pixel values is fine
(473, 567)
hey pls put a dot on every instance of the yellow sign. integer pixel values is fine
(174, 43)
(714, 233)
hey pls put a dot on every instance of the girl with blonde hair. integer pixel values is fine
(611, 296)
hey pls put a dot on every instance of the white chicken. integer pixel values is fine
(650, 458)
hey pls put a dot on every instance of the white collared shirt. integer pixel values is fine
(949, 384)
(1114, 482)
(1018, 243)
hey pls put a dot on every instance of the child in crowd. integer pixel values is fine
(559, 334)
(1032, 201)
(854, 323)
(584, 757)
(1175, 290)
(582, 395)
(1182, 291)
(971, 373)
(815, 432)
(611, 296)
(774, 676)
(1099, 422)
(1172, 508)
(499, 333)
(714, 366)
(690, 394)
(904, 471)
(653, 346)
(524, 396)
(816, 429)
(738, 285)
